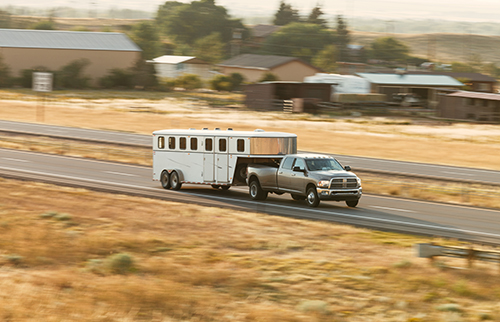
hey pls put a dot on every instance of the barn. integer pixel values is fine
(53, 49)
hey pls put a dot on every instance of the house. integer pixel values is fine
(27, 49)
(253, 67)
(470, 106)
(170, 66)
(259, 33)
(425, 87)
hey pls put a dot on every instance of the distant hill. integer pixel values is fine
(443, 47)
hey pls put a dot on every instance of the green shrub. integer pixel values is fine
(226, 83)
(268, 77)
(71, 75)
(188, 81)
(120, 263)
(118, 78)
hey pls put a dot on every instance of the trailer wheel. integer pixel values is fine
(175, 182)
(352, 203)
(298, 197)
(256, 192)
(165, 180)
(312, 198)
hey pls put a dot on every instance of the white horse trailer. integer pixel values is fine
(215, 157)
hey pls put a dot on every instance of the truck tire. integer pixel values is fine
(352, 203)
(298, 197)
(165, 180)
(175, 182)
(312, 198)
(241, 172)
(255, 191)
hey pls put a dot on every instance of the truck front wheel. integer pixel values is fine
(312, 198)
(352, 203)
(256, 192)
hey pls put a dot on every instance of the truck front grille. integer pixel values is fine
(343, 183)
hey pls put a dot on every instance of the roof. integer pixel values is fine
(410, 79)
(172, 59)
(228, 133)
(55, 39)
(486, 96)
(476, 77)
(258, 61)
(260, 31)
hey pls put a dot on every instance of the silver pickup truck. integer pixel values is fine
(311, 177)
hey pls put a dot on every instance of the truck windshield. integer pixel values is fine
(323, 164)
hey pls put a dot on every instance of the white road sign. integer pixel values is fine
(42, 82)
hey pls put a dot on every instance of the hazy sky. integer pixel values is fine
(461, 10)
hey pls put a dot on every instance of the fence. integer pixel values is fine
(470, 254)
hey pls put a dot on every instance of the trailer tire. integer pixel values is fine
(312, 198)
(175, 181)
(255, 190)
(165, 180)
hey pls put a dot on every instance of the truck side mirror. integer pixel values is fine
(298, 169)
(347, 168)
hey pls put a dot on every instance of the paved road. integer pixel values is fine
(357, 163)
(481, 225)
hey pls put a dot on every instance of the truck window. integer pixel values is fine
(240, 145)
(194, 144)
(161, 142)
(182, 143)
(299, 163)
(208, 144)
(222, 145)
(287, 164)
(171, 143)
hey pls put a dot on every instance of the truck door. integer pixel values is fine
(285, 174)
(298, 179)
(208, 160)
(222, 159)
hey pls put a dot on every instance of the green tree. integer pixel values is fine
(268, 77)
(5, 77)
(389, 49)
(302, 40)
(459, 67)
(45, 25)
(186, 23)
(210, 48)
(342, 39)
(285, 14)
(4, 19)
(146, 36)
(315, 17)
(327, 59)
(71, 75)
(165, 13)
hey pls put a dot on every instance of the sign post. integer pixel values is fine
(42, 83)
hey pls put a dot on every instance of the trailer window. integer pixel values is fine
(194, 144)
(182, 143)
(240, 145)
(171, 143)
(208, 144)
(222, 145)
(161, 142)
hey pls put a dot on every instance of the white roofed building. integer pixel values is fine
(171, 66)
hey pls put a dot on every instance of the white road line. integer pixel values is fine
(324, 212)
(459, 173)
(121, 173)
(16, 160)
(394, 209)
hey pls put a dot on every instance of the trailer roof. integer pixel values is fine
(257, 133)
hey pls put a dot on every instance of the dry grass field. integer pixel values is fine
(88, 256)
(74, 255)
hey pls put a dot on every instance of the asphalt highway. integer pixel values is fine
(357, 163)
(392, 214)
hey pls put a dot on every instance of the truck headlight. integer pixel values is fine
(359, 181)
(323, 183)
